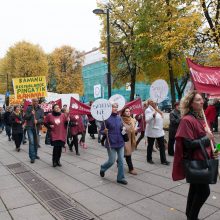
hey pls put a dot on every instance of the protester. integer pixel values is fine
(174, 123)
(141, 124)
(83, 135)
(16, 119)
(76, 128)
(114, 143)
(92, 128)
(129, 124)
(217, 106)
(34, 117)
(190, 133)
(7, 122)
(211, 113)
(1, 119)
(154, 130)
(56, 122)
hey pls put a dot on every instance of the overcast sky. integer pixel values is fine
(49, 23)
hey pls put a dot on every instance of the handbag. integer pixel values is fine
(48, 137)
(125, 137)
(201, 171)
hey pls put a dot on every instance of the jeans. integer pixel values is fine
(33, 142)
(111, 160)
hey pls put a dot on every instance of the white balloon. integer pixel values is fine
(101, 109)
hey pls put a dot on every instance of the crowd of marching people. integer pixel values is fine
(121, 134)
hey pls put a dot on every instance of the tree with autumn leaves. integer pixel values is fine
(151, 39)
(63, 65)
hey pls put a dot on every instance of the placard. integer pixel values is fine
(119, 99)
(101, 109)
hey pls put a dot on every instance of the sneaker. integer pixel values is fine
(84, 146)
(37, 157)
(32, 160)
(124, 182)
(102, 173)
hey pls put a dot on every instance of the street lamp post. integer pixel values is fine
(98, 12)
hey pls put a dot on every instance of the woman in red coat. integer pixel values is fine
(211, 114)
(76, 128)
(191, 131)
(56, 122)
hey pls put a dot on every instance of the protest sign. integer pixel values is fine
(14, 101)
(101, 109)
(159, 90)
(30, 87)
(119, 99)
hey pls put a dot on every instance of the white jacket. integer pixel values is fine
(154, 125)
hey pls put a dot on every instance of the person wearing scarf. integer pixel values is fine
(16, 120)
(129, 124)
(191, 132)
(57, 123)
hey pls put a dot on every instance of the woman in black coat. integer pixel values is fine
(17, 126)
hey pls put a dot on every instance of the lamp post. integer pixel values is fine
(99, 12)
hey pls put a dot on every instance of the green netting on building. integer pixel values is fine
(95, 73)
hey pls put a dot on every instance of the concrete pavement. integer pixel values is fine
(150, 195)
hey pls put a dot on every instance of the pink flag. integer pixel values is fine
(205, 79)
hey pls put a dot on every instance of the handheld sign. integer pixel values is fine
(119, 99)
(101, 109)
(159, 90)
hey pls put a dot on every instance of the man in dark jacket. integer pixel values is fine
(7, 122)
(34, 117)
(174, 123)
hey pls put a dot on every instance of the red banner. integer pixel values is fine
(135, 106)
(205, 79)
(58, 102)
(79, 108)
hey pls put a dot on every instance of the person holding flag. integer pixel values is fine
(34, 117)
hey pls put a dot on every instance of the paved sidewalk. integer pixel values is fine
(150, 195)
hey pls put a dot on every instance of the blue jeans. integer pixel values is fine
(33, 142)
(111, 160)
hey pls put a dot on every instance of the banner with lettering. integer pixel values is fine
(205, 79)
(79, 108)
(135, 106)
(30, 87)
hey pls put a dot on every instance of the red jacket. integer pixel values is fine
(77, 124)
(190, 128)
(58, 132)
(211, 114)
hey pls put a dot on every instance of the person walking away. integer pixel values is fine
(83, 135)
(76, 128)
(154, 130)
(174, 123)
(92, 128)
(34, 117)
(211, 114)
(191, 132)
(129, 124)
(56, 122)
(114, 144)
(16, 119)
(7, 122)
(141, 124)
